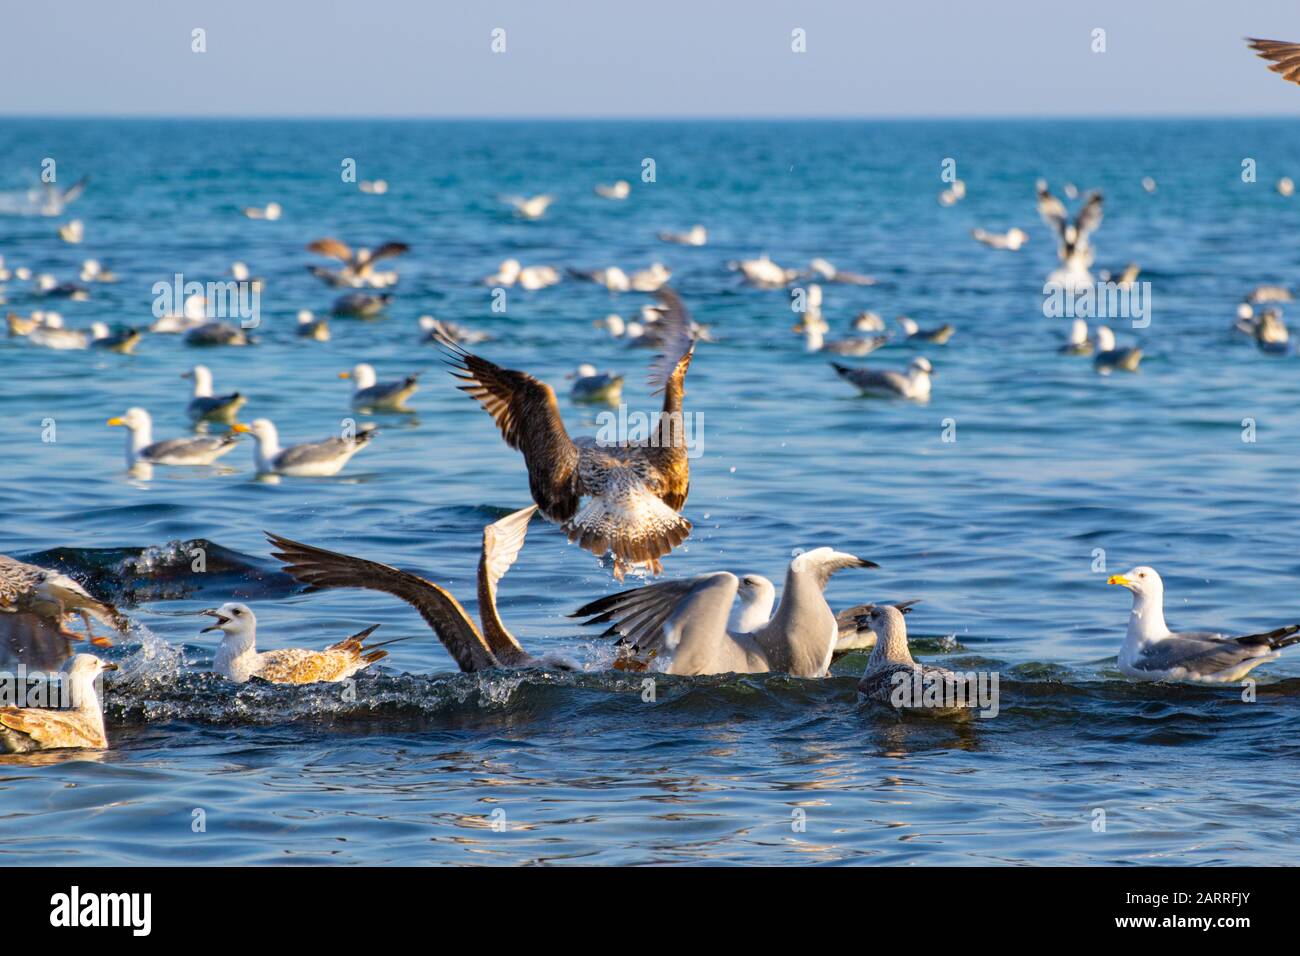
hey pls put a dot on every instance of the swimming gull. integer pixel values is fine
(828, 273)
(140, 446)
(472, 649)
(1271, 334)
(53, 596)
(368, 392)
(1110, 358)
(121, 340)
(529, 207)
(27, 729)
(591, 385)
(612, 278)
(1010, 240)
(270, 212)
(939, 335)
(764, 273)
(443, 330)
(913, 384)
(308, 459)
(1153, 652)
(205, 406)
(891, 666)
(72, 231)
(814, 327)
(311, 327)
(618, 190)
(697, 235)
(1076, 340)
(634, 488)
(680, 627)
(362, 305)
(213, 333)
(237, 658)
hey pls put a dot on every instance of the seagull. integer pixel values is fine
(140, 446)
(213, 333)
(634, 488)
(828, 273)
(533, 207)
(1269, 293)
(1077, 341)
(868, 322)
(891, 665)
(374, 187)
(652, 279)
(310, 327)
(237, 658)
(1284, 54)
(619, 190)
(53, 596)
(938, 335)
(26, 729)
(441, 330)
(1153, 652)
(93, 271)
(472, 649)
(205, 406)
(193, 314)
(612, 278)
(1109, 358)
(358, 266)
(680, 627)
(72, 231)
(953, 194)
(913, 384)
(367, 392)
(1010, 240)
(697, 235)
(363, 305)
(764, 273)
(1073, 248)
(591, 385)
(1271, 333)
(54, 200)
(50, 333)
(309, 459)
(856, 632)
(813, 327)
(270, 212)
(122, 340)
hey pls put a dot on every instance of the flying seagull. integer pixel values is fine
(53, 596)
(472, 649)
(1284, 54)
(358, 265)
(635, 489)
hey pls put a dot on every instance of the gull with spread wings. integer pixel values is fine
(1072, 236)
(635, 489)
(358, 266)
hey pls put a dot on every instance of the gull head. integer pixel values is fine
(87, 667)
(921, 365)
(236, 620)
(1142, 581)
(585, 370)
(134, 419)
(263, 429)
(891, 634)
(754, 586)
(362, 374)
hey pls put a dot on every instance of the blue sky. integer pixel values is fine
(667, 58)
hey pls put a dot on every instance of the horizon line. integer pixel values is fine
(648, 117)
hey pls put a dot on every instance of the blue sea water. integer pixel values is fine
(998, 533)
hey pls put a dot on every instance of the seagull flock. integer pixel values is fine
(621, 501)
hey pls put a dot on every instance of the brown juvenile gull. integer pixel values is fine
(237, 657)
(53, 596)
(24, 729)
(472, 649)
(358, 266)
(892, 677)
(634, 489)
(681, 627)
(1153, 652)
(1284, 54)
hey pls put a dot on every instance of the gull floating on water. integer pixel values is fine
(697, 235)
(953, 194)
(53, 596)
(373, 187)
(651, 279)
(1077, 341)
(868, 322)
(122, 340)
(1153, 652)
(363, 305)
(27, 729)
(368, 392)
(358, 266)
(913, 384)
(237, 658)
(680, 627)
(612, 278)
(213, 333)
(1269, 293)
(309, 459)
(619, 190)
(72, 231)
(938, 335)
(592, 385)
(1270, 332)
(140, 446)
(634, 489)
(472, 649)
(1010, 240)
(530, 278)
(764, 273)
(813, 328)
(311, 327)
(828, 273)
(892, 657)
(1110, 358)
(1286, 186)
(271, 211)
(529, 207)
(204, 406)
(194, 312)
(442, 330)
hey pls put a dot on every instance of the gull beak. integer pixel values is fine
(238, 428)
(117, 420)
(221, 620)
(110, 667)
(1120, 580)
(345, 374)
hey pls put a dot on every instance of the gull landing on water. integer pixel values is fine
(238, 660)
(472, 649)
(53, 597)
(634, 489)
(1153, 652)
(26, 729)
(358, 266)
(681, 627)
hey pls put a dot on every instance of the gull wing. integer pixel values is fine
(1088, 220)
(528, 415)
(502, 541)
(676, 341)
(1284, 54)
(1203, 652)
(639, 615)
(329, 569)
(333, 248)
(388, 250)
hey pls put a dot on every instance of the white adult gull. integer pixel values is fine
(205, 406)
(1110, 357)
(939, 335)
(681, 627)
(308, 459)
(369, 392)
(140, 446)
(529, 207)
(1153, 652)
(913, 384)
(697, 235)
(472, 649)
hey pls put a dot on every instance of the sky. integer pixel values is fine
(657, 58)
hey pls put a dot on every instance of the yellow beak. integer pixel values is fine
(117, 421)
(239, 428)
(1118, 579)
(345, 374)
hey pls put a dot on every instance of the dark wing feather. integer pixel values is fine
(329, 569)
(639, 614)
(1284, 54)
(528, 415)
(333, 248)
(389, 249)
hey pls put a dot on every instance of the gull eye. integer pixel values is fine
(236, 612)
